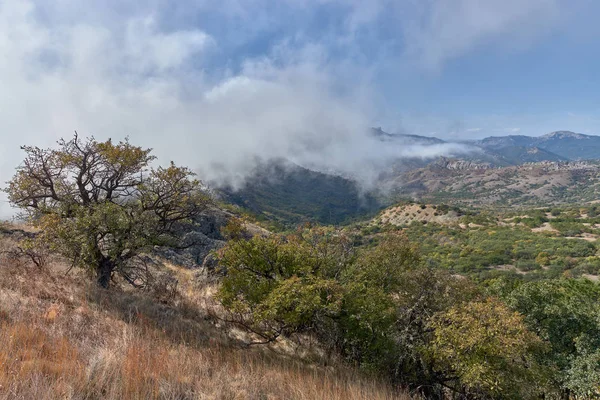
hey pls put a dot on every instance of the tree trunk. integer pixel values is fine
(104, 272)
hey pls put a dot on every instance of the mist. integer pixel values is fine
(140, 81)
(220, 97)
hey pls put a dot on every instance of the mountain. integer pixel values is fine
(517, 155)
(498, 142)
(574, 146)
(565, 144)
(405, 138)
(469, 183)
(286, 192)
(505, 151)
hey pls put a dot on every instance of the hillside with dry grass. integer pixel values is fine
(62, 337)
(405, 214)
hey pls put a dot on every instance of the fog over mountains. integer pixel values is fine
(554, 146)
(286, 190)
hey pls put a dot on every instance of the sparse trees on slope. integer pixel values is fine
(100, 204)
(382, 309)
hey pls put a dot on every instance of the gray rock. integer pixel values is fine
(199, 239)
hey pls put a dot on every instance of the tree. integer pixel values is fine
(566, 313)
(371, 306)
(489, 349)
(284, 284)
(101, 205)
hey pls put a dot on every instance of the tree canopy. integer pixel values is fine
(566, 313)
(101, 204)
(383, 309)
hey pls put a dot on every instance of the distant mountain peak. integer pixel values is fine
(564, 135)
(406, 137)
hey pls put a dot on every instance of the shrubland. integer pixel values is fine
(479, 305)
(385, 310)
(144, 329)
(63, 337)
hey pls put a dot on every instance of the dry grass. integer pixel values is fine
(61, 338)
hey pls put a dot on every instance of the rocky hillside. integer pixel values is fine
(528, 184)
(494, 170)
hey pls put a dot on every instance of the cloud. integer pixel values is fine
(448, 29)
(220, 85)
(171, 87)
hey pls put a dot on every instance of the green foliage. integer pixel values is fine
(283, 284)
(489, 349)
(527, 265)
(379, 307)
(565, 313)
(291, 194)
(475, 251)
(534, 222)
(570, 228)
(583, 375)
(100, 205)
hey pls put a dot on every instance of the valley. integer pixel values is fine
(559, 168)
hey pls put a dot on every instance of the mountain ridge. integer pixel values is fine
(566, 144)
(280, 190)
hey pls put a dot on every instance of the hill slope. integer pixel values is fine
(290, 193)
(61, 337)
(282, 191)
(529, 184)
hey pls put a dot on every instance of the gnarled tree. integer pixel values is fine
(101, 205)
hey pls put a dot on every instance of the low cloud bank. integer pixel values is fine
(137, 80)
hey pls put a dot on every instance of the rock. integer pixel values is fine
(199, 239)
(459, 165)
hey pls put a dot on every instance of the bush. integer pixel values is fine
(565, 313)
(379, 308)
(527, 265)
(489, 349)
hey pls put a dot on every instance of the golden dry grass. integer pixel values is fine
(61, 338)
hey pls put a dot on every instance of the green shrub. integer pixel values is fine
(526, 265)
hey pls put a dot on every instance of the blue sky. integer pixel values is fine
(219, 84)
(444, 66)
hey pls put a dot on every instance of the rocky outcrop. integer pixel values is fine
(561, 166)
(199, 239)
(459, 165)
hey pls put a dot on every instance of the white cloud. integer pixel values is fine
(149, 50)
(449, 29)
(112, 76)
(198, 81)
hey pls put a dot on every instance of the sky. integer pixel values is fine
(218, 85)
